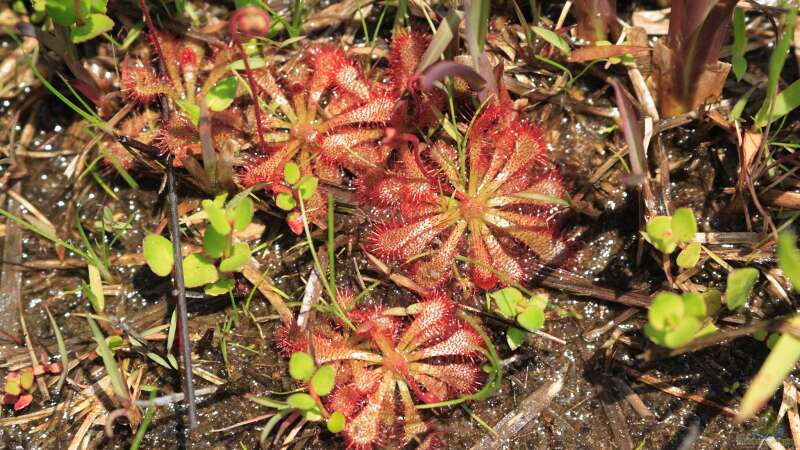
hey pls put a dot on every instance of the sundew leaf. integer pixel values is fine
(94, 25)
(740, 283)
(776, 367)
(553, 39)
(689, 256)
(789, 258)
(222, 94)
(301, 366)
(198, 271)
(158, 254)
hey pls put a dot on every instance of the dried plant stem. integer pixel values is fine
(180, 294)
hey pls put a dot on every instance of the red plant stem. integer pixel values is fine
(234, 30)
(151, 29)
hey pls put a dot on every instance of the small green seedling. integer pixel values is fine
(674, 320)
(295, 186)
(785, 347)
(320, 382)
(17, 388)
(511, 304)
(740, 284)
(223, 254)
(83, 19)
(667, 233)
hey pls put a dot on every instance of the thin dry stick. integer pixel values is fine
(676, 391)
(180, 293)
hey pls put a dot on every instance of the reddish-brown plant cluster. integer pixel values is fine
(506, 196)
(389, 361)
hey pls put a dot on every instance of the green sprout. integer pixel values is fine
(222, 254)
(675, 320)
(528, 312)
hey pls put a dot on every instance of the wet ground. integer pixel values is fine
(590, 411)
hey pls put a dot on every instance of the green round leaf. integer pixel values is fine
(213, 243)
(740, 283)
(222, 286)
(658, 232)
(507, 300)
(683, 333)
(285, 201)
(514, 337)
(216, 217)
(689, 256)
(323, 380)
(301, 366)
(656, 336)
(312, 414)
(665, 311)
(26, 376)
(61, 11)
(94, 25)
(198, 271)
(532, 318)
(158, 254)
(683, 225)
(301, 401)
(336, 422)
(237, 260)
(694, 305)
(291, 173)
(222, 94)
(307, 187)
(789, 258)
(243, 214)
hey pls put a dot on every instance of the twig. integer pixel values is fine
(676, 391)
(180, 293)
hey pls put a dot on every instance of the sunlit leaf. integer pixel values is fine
(198, 271)
(740, 283)
(666, 309)
(780, 362)
(214, 243)
(301, 366)
(239, 257)
(689, 256)
(738, 60)
(285, 201)
(243, 214)
(532, 318)
(683, 225)
(323, 380)
(301, 401)
(336, 422)
(291, 173)
(307, 187)
(94, 25)
(789, 258)
(514, 337)
(216, 217)
(507, 300)
(553, 39)
(222, 94)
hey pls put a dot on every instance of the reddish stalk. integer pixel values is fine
(237, 20)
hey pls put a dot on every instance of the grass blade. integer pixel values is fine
(776, 61)
(117, 383)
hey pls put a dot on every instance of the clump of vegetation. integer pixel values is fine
(407, 185)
